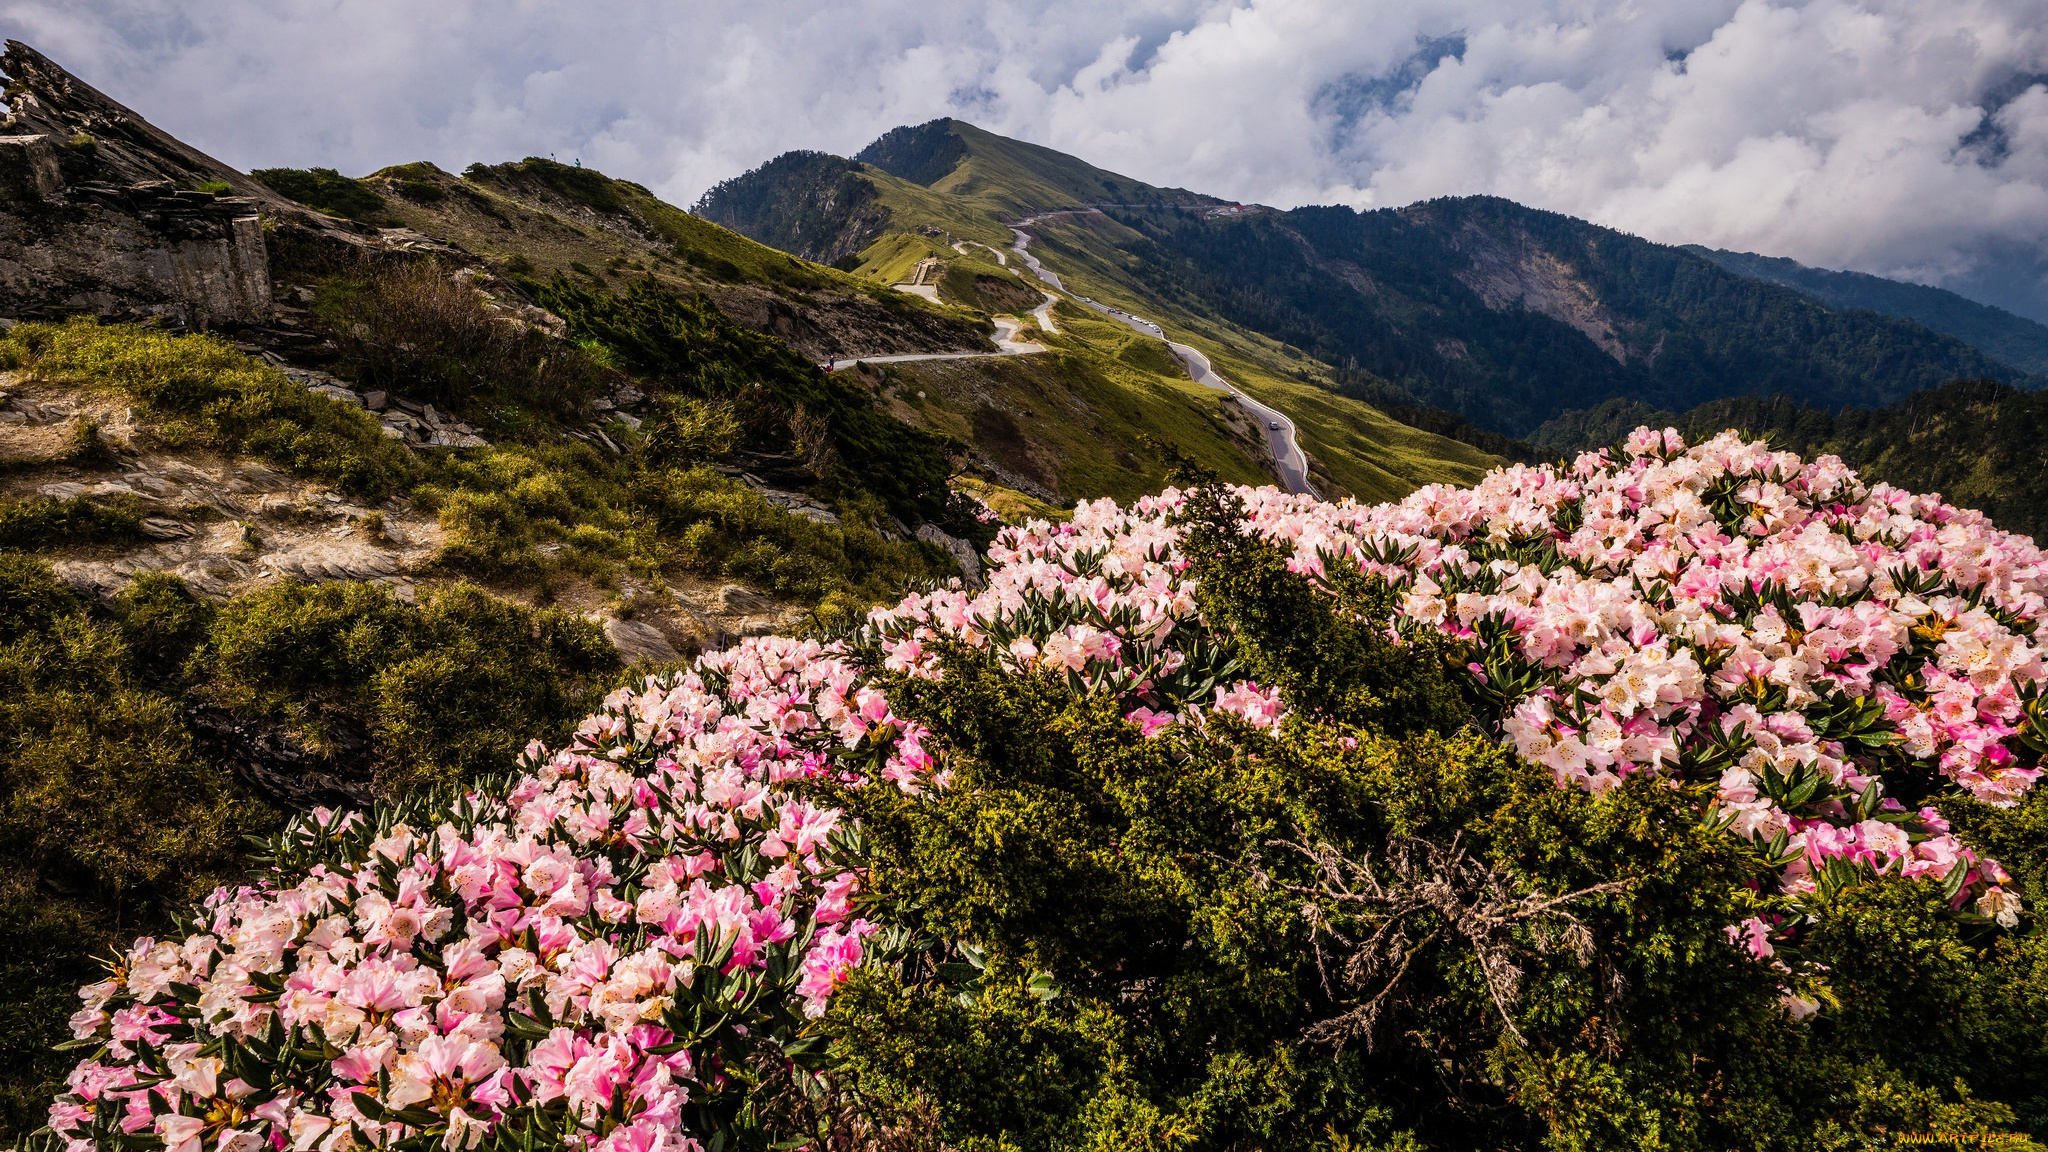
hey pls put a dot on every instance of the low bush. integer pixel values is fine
(41, 523)
(322, 188)
(1044, 867)
(416, 331)
(784, 404)
(199, 386)
(436, 691)
(725, 528)
(109, 821)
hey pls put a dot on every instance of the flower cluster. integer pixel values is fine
(588, 953)
(1727, 612)
(572, 960)
(1717, 612)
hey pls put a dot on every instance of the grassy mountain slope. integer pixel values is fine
(1455, 313)
(538, 218)
(1007, 178)
(1999, 334)
(948, 181)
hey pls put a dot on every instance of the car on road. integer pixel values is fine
(1273, 424)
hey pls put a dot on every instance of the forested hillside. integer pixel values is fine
(1999, 334)
(1509, 316)
(811, 203)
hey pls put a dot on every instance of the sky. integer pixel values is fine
(1906, 139)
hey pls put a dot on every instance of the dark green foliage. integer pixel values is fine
(1683, 330)
(42, 523)
(1289, 637)
(813, 204)
(112, 816)
(923, 154)
(579, 185)
(1108, 941)
(108, 820)
(205, 390)
(322, 188)
(441, 690)
(1606, 423)
(785, 405)
(1995, 332)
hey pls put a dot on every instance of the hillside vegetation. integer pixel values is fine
(1509, 316)
(1999, 334)
(1166, 837)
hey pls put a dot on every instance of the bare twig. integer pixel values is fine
(1422, 893)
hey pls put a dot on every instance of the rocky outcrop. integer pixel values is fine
(130, 251)
(1514, 270)
(102, 212)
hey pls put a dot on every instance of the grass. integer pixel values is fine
(1367, 453)
(893, 259)
(201, 391)
(1092, 417)
(507, 211)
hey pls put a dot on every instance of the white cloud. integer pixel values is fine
(1893, 136)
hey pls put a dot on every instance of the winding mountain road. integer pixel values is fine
(1281, 441)
(1280, 435)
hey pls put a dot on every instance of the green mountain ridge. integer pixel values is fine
(973, 184)
(1501, 315)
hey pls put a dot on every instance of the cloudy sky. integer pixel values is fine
(1905, 138)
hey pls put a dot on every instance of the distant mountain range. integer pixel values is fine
(1504, 315)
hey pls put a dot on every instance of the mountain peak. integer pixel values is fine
(922, 154)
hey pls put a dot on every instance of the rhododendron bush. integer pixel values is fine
(608, 949)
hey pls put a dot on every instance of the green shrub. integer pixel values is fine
(42, 523)
(443, 689)
(1333, 935)
(722, 527)
(109, 821)
(322, 188)
(415, 331)
(228, 400)
(691, 348)
(421, 191)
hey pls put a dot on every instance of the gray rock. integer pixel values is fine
(138, 249)
(333, 392)
(160, 528)
(962, 552)
(735, 600)
(91, 577)
(638, 642)
(374, 400)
